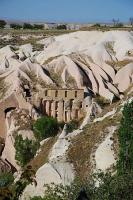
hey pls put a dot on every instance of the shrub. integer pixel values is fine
(102, 101)
(125, 163)
(2, 23)
(27, 26)
(15, 26)
(6, 179)
(62, 27)
(45, 127)
(37, 198)
(25, 149)
(72, 125)
(97, 25)
(38, 26)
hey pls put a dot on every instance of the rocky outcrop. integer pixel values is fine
(80, 59)
(6, 105)
(124, 77)
(57, 170)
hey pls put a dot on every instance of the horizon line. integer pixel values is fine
(62, 21)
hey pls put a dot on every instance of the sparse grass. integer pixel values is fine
(106, 28)
(3, 88)
(50, 59)
(83, 144)
(70, 82)
(129, 92)
(17, 40)
(109, 107)
(56, 77)
(123, 63)
(119, 64)
(102, 101)
(110, 48)
(22, 120)
(116, 144)
(42, 157)
(35, 32)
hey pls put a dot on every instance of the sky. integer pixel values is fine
(82, 11)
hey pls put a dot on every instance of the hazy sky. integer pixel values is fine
(66, 10)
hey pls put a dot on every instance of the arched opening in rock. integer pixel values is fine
(8, 110)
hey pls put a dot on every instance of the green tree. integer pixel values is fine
(27, 26)
(27, 177)
(15, 26)
(38, 26)
(2, 23)
(72, 125)
(6, 179)
(62, 27)
(125, 163)
(45, 127)
(25, 149)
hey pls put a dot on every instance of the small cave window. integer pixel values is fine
(65, 93)
(56, 93)
(8, 110)
(27, 91)
(56, 105)
(56, 115)
(76, 94)
(46, 93)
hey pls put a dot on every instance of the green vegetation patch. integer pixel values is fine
(125, 163)
(45, 127)
(25, 150)
(42, 156)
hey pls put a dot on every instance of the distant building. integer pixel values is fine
(73, 26)
(46, 26)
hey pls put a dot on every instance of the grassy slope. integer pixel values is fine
(85, 143)
(42, 157)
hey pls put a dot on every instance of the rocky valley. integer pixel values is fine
(61, 103)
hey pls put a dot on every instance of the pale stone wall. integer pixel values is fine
(63, 104)
(65, 94)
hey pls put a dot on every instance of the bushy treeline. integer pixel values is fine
(27, 26)
(43, 128)
(2, 23)
(125, 163)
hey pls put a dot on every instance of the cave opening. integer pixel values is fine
(8, 110)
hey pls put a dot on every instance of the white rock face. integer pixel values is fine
(104, 156)
(91, 43)
(81, 56)
(6, 52)
(124, 77)
(100, 47)
(57, 170)
(9, 150)
(25, 51)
